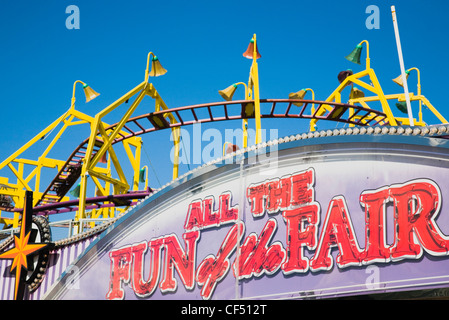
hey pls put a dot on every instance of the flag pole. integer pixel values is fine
(401, 63)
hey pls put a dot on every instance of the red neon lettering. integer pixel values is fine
(214, 268)
(281, 194)
(299, 235)
(194, 218)
(227, 213)
(416, 205)
(183, 262)
(256, 196)
(375, 202)
(120, 272)
(255, 257)
(211, 218)
(337, 231)
(146, 288)
(200, 214)
(278, 194)
(302, 188)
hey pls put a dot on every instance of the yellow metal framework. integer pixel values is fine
(101, 142)
(374, 86)
(101, 136)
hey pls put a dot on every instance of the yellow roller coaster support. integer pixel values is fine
(16, 165)
(355, 78)
(99, 134)
(17, 191)
(253, 90)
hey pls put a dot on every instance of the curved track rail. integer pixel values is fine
(440, 131)
(119, 200)
(203, 113)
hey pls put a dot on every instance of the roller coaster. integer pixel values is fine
(96, 155)
(92, 187)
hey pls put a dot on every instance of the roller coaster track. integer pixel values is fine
(50, 201)
(439, 131)
(128, 199)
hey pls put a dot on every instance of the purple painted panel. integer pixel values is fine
(355, 221)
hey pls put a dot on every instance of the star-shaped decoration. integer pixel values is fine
(19, 255)
(22, 250)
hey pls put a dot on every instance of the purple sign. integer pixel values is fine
(327, 221)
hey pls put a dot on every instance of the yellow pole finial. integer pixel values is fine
(255, 79)
(88, 92)
(367, 53)
(148, 65)
(72, 106)
(156, 67)
(418, 91)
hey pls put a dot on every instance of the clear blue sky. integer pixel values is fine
(200, 43)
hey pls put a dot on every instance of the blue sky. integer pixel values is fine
(200, 43)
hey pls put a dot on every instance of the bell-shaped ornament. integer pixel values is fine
(156, 68)
(249, 53)
(402, 106)
(354, 56)
(89, 93)
(297, 95)
(76, 191)
(398, 79)
(104, 158)
(228, 92)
